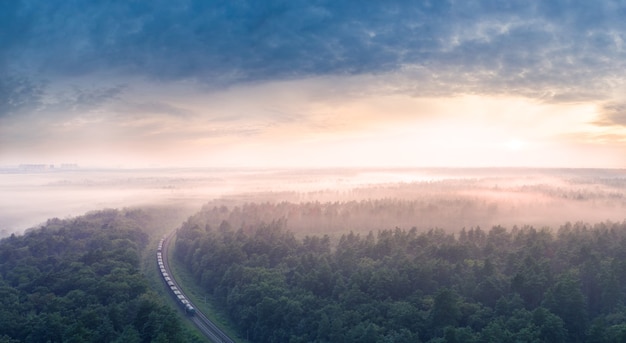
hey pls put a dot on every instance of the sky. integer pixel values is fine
(246, 83)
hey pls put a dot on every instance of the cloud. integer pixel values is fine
(90, 98)
(613, 113)
(19, 93)
(77, 100)
(514, 45)
(151, 108)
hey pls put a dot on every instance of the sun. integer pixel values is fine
(515, 144)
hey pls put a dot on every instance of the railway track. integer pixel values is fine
(204, 324)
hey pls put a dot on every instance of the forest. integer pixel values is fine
(79, 280)
(437, 260)
(517, 284)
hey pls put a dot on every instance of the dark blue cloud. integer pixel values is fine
(520, 43)
(19, 93)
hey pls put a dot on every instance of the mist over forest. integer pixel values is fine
(332, 200)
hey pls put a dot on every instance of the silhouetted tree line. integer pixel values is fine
(78, 280)
(518, 285)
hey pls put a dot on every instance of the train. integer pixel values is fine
(182, 300)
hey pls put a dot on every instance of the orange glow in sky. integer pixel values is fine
(295, 124)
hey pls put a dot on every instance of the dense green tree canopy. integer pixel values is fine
(78, 280)
(497, 285)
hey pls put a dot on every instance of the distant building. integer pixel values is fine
(36, 167)
(42, 167)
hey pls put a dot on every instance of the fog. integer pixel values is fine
(446, 198)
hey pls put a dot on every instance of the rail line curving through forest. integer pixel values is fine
(206, 326)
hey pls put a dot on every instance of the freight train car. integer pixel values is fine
(180, 297)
